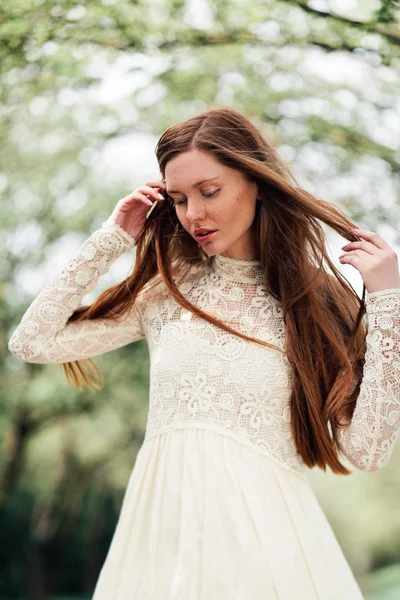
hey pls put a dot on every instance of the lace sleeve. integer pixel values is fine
(369, 439)
(44, 336)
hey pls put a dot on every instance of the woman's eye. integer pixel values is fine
(178, 202)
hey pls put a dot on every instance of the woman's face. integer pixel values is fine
(224, 202)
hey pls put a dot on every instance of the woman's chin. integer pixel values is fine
(212, 250)
(212, 247)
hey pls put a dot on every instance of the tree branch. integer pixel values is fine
(369, 27)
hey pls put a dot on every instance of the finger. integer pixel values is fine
(372, 237)
(362, 245)
(145, 198)
(363, 256)
(146, 189)
(159, 183)
(134, 197)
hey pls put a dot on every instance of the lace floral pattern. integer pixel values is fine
(369, 439)
(44, 336)
(204, 377)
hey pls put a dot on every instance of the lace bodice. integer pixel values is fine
(204, 377)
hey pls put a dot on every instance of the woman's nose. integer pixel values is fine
(195, 211)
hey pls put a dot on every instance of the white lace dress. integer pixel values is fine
(218, 505)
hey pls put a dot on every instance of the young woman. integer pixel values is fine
(262, 367)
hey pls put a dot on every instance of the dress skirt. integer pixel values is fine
(205, 517)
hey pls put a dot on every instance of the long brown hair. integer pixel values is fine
(325, 332)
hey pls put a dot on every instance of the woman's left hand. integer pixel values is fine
(375, 260)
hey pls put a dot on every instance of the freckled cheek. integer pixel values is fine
(223, 219)
(228, 216)
(232, 217)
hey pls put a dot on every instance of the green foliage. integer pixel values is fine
(384, 584)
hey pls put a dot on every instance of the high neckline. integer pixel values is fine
(240, 270)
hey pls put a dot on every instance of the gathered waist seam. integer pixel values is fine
(223, 433)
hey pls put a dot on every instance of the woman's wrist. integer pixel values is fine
(111, 224)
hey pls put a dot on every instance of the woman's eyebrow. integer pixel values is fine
(195, 185)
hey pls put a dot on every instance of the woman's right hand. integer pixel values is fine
(130, 213)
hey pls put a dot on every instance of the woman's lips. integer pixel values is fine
(205, 238)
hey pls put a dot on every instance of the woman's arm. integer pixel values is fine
(44, 336)
(369, 440)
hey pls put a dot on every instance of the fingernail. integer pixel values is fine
(160, 196)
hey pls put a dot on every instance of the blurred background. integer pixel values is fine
(86, 89)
